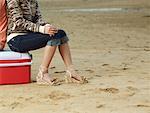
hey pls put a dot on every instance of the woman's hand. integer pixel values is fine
(51, 30)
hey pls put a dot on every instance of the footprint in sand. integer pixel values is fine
(52, 67)
(143, 105)
(132, 88)
(59, 72)
(98, 75)
(147, 16)
(14, 105)
(115, 75)
(131, 91)
(100, 106)
(58, 95)
(89, 70)
(28, 99)
(2, 103)
(105, 64)
(24, 99)
(108, 90)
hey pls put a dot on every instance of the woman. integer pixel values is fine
(3, 24)
(27, 31)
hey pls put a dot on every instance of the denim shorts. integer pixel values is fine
(33, 41)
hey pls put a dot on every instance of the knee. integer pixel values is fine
(62, 33)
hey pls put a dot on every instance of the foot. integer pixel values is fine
(44, 78)
(73, 77)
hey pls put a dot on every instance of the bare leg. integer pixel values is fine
(66, 56)
(43, 76)
(48, 55)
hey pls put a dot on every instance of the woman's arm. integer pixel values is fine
(38, 17)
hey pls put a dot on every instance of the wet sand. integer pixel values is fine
(112, 49)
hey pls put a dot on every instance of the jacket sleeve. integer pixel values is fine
(38, 17)
(19, 20)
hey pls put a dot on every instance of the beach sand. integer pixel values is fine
(112, 49)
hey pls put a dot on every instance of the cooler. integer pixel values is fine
(15, 68)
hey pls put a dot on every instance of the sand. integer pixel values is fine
(112, 49)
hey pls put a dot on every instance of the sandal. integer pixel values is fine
(72, 77)
(43, 78)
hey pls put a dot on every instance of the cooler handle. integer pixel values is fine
(16, 64)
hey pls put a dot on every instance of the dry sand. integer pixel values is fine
(111, 49)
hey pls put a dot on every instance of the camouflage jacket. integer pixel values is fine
(24, 16)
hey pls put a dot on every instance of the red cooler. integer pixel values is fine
(15, 68)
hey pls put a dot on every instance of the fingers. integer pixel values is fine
(51, 30)
(52, 27)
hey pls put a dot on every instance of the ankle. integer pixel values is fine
(71, 69)
(43, 69)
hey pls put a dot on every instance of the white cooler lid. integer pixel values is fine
(10, 55)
